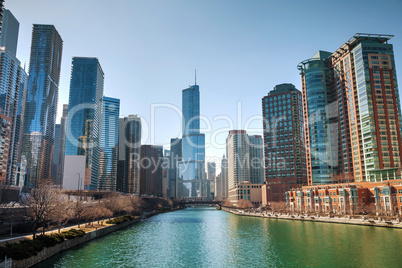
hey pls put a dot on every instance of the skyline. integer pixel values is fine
(235, 48)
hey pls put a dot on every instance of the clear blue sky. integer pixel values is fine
(241, 49)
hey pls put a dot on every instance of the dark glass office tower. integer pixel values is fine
(191, 181)
(84, 116)
(128, 165)
(109, 139)
(41, 102)
(174, 158)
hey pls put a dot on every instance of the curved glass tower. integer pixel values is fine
(41, 102)
(192, 167)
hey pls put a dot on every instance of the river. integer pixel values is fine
(206, 237)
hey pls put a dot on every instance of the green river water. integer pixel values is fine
(206, 237)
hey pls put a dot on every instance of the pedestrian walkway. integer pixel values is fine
(29, 236)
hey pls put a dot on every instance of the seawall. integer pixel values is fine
(366, 221)
(70, 243)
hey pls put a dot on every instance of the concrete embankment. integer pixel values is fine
(67, 244)
(360, 220)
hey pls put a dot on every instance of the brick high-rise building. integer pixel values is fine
(285, 159)
(352, 112)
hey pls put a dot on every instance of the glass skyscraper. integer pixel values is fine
(109, 139)
(84, 116)
(191, 182)
(41, 102)
(128, 165)
(352, 112)
(13, 82)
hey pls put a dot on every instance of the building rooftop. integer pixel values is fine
(282, 88)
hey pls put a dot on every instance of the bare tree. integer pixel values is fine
(244, 204)
(79, 210)
(278, 206)
(228, 203)
(63, 212)
(41, 204)
(137, 203)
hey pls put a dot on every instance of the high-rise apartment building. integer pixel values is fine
(13, 83)
(109, 141)
(224, 177)
(58, 177)
(191, 181)
(174, 159)
(84, 117)
(5, 133)
(150, 170)
(9, 32)
(352, 112)
(245, 161)
(256, 148)
(41, 102)
(56, 152)
(211, 174)
(238, 152)
(285, 156)
(128, 164)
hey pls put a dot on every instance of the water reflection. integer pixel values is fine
(206, 237)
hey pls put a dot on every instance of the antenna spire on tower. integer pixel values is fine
(195, 76)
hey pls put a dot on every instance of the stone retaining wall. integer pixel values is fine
(48, 252)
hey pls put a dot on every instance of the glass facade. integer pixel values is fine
(109, 138)
(174, 158)
(256, 148)
(360, 123)
(13, 82)
(41, 102)
(191, 181)
(321, 122)
(128, 166)
(84, 115)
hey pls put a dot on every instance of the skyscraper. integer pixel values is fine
(191, 181)
(41, 102)
(256, 148)
(211, 174)
(224, 177)
(285, 156)
(352, 112)
(238, 151)
(84, 117)
(128, 165)
(175, 158)
(5, 131)
(9, 32)
(62, 146)
(13, 82)
(151, 170)
(109, 139)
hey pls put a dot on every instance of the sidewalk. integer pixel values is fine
(29, 236)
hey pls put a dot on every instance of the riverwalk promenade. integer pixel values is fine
(355, 220)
